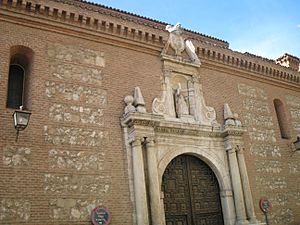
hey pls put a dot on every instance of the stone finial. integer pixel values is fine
(227, 112)
(139, 102)
(237, 121)
(129, 107)
(231, 118)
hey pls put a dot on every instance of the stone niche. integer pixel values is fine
(182, 96)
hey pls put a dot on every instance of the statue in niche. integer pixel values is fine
(181, 105)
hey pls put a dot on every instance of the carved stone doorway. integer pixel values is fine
(191, 193)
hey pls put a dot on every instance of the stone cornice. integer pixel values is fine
(139, 19)
(94, 22)
(45, 16)
(230, 130)
(252, 67)
(61, 18)
(69, 29)
(161, 126)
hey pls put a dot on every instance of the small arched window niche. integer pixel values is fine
(15, 86)
(281, 118)
(18, 88)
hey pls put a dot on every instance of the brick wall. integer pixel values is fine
(71, 157)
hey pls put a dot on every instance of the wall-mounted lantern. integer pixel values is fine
(21, 119)
(297, 144)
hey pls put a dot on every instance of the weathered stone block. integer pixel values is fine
(252, 92)
(76, 54)
(296, 126)
(293, 167)
(77, 73)
(80, 161)
(72, 209)
(265, 166)
(16, 156)
(77, 184)
(264, 150)
(295, 114)
(293, 101)
(262, 135)
(14, 209)
(74, 136)
(76, 93)
(280, 199)
(258, 120)
(271, 183)
(296, 195)
(282, 216)
(256, 106)
(76, 114)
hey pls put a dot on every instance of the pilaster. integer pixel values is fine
(246, 186)
(139, 182)
(154, 188)
(241, 218)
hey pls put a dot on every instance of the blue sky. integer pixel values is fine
(268, 28)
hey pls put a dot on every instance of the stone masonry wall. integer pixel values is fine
(76, 98)
(71, 156)
(275, 175)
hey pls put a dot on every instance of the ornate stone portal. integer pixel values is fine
(182, 124)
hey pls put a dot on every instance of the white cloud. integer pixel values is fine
(298, 25)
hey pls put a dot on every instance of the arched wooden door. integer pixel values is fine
(191, 193)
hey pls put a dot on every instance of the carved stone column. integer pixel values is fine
(139, 183)
(228, 204)
(246, 186)
(154, 188)
(237, 186)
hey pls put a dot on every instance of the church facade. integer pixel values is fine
(153, 123)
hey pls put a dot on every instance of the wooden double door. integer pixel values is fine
(191, 193)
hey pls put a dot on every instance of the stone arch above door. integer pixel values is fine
(191, 192)
(152, 141)
(206, 155)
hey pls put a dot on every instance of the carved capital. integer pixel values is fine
(239, 149)
(150, 141)
(137, 141)
(231, 151)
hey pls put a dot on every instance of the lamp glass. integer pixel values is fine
(21, 119)
(297, 144)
